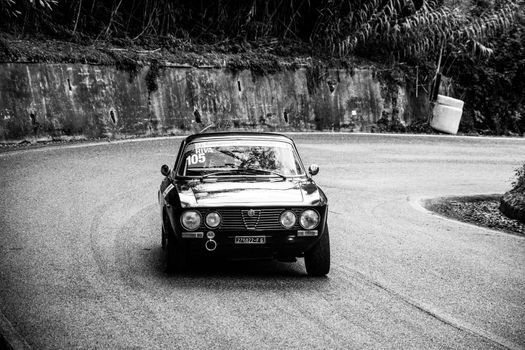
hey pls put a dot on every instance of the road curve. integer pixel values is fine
(81, 264)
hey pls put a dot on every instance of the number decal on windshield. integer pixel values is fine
(196, 159)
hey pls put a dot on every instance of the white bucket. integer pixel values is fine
(447, 114)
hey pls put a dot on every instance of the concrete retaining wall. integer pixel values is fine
(54, 100)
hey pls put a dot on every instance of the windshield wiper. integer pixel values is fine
(242, 170)
(262, 171)
(221, 172)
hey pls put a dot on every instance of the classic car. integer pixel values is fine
(242, 195)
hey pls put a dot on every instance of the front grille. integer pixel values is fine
(263, 219)
(251, 218)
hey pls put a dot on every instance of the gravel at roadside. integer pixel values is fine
(479, 210)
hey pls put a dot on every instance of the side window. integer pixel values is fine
(179, 155)
(297, 167)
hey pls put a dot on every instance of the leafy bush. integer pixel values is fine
(400, 28)
(493, 89)
(513, 202)
(518, 185)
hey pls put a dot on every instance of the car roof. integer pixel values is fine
(238, 135)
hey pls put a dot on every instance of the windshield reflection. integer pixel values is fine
(223, 158)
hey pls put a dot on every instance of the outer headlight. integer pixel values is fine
(309, 219)
(288, 219)
(190, 220)
(213, 220)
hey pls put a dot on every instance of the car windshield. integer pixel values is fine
(242, 157)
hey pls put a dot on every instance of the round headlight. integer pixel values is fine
(191, 220)
(309, 219)
(213, 220)
(288, 219)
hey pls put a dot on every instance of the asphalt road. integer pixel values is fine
(81, 264)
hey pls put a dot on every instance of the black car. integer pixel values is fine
(243, 195)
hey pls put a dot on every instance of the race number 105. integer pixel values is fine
(196, 158)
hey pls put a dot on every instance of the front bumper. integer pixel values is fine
(282, 244)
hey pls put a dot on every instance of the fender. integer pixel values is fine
(169, 201)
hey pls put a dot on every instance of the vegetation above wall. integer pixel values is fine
(480, 46)
(494, 89)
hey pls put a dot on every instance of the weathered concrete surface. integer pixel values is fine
(53, 100)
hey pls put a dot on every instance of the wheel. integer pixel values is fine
(164, 239)
(176, 257)
(164, 234)
(317, 259)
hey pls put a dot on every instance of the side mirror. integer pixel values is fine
(313, 169)
(165, 170)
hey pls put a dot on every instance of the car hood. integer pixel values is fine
(255, 193)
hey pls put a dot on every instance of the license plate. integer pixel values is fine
(250, 239)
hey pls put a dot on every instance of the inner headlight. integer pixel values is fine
(213, 219)
(190, 220)
(288, 219)
(309, 219)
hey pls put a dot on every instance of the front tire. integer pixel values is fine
(164, 239)
(317, 259)
(176, 257)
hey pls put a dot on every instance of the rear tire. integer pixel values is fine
(317, 259)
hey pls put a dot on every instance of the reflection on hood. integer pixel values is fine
(234, 193)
